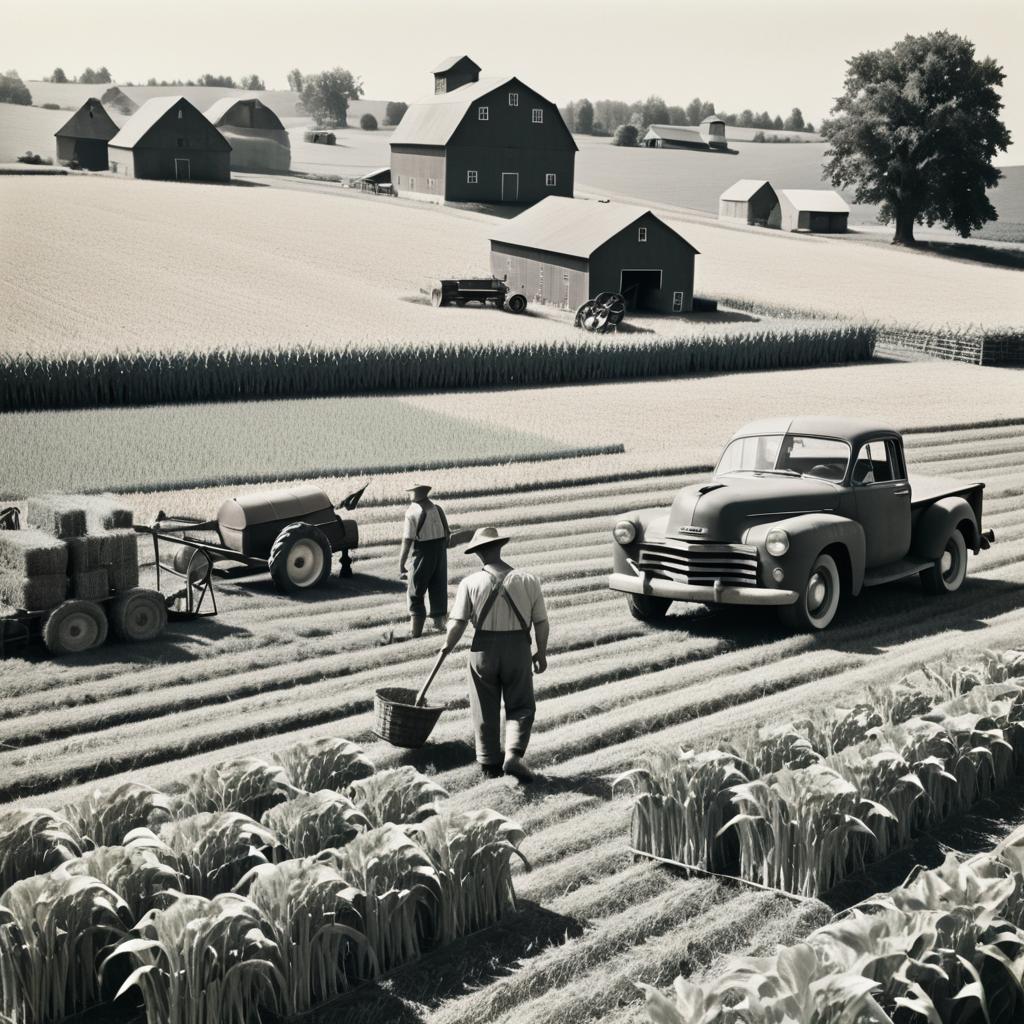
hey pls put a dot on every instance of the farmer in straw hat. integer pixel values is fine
(502, 603)
(426, 535)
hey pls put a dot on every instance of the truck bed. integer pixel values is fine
(926, 489)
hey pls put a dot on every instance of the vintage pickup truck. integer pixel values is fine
(798, 512)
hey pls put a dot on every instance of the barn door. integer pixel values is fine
(182, 169)
(509, 186)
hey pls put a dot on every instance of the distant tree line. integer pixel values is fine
(103, 77)
(87, 77)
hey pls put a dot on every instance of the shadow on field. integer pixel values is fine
(965, 252)
(355, 585)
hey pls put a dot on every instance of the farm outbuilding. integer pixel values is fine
(673, 136)
(750, 201)
(258, 139)
(171, 140)
(564, 251)
(813, 209)
(712, 130)
(485, 140)
(378, 180)
(83, 139)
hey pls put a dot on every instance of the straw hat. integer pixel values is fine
(425, 489)
(484, 536)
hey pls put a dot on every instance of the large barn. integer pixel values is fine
(170, 139)
(486, 140)
(565, 251)
(750, 201)
(259, 141)
(83, 139)
(813, 209)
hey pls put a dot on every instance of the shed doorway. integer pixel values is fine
(182, 169)
(640, 288)
(509, 186)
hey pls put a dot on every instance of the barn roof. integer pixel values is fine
(744, 189)
(572, 227)
(374, 175)
(139, 125)
(674, 133)
(815, 200)
(90, 121)
(449, 62)
(218, 112)
(432, 121)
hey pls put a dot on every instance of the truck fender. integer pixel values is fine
(938, 521)
(809, 535)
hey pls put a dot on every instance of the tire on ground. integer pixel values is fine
(74, 627)
(647, 608)
(138, 615)
(516, 303)
(300, 558)
(816, 606)
(946, 575)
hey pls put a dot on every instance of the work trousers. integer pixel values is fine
(429, 578)
(501, 671)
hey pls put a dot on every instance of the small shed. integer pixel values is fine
(374, 181)
(83, 139)
(752, 202)
(564, 251)
(259, 141)
(169, 139)
(813, 209)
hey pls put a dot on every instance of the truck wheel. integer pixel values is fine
(138, 615)
(946, 575)
(300, 558)
(647, 608)
(816, 606)
(516, 303)
(73, 627)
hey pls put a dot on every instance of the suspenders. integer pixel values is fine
(498, 588)
(424, 512)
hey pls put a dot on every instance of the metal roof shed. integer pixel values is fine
(258, 139)
(751, 201)
(83, 138)
(810, 209)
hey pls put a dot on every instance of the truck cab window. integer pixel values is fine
(874, 464)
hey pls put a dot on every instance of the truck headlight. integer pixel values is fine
(625, 531)
(776, 543)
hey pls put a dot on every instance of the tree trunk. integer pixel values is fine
(904, 228)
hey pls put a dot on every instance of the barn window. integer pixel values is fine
(550, 179)
(538, 115)
(399, 182)
(641, 235)
(677, 301)
(180, 114)
(513, 99)
(471, 177)
(483, 113)
(412, 184)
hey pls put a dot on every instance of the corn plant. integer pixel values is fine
(53, 931)
(107, 817)
(248, 785)
(209, 852)
(776, 747)
(307, 824)
(137, 875)
(34, 840)
(682, 802)
(314, 918)
(397, 796)
(203, 961)
(472, 859)
(324, 763)
(400, 888)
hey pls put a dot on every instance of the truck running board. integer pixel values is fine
(894, 571)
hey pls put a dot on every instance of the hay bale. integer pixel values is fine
(124, 562)
(105, 512)
(32, 553)
(59, 515)
(87, 553)
(123, 577)
(35, 594)
(91, 585)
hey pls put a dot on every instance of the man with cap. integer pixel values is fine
(425, 534)
(502, 603)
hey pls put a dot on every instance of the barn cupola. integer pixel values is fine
(455, 72)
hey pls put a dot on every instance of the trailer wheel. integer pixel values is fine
(73, 627)
(138, 615)
(516, 303)
(300, 558)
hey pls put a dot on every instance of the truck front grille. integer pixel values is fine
(700, 563)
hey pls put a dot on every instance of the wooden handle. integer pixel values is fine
(421, 696)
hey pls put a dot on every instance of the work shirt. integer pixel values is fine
(433, 525)
(524, 589)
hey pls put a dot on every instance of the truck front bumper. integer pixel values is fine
(628, 583)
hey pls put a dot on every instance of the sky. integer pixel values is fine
(762, 54)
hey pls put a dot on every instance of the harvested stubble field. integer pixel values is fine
(272, 670)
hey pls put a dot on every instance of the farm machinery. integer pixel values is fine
(293, 533)
(602, 313)
(459, 291)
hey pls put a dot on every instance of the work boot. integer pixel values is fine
(491, 771)
(416, 625)
(440, 623)
(516, 767)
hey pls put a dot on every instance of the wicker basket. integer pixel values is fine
(400, 721)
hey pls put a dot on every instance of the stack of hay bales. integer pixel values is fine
(77, 546)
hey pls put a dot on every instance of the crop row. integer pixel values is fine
(32, 382)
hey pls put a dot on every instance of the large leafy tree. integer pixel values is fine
(326, 96)
(916, 131)
(584, 117)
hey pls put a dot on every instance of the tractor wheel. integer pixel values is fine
(300, 558)
(73, 627)
(516, 303)
(138, 615)
(946, 575)
(647, 608)
(191, 561)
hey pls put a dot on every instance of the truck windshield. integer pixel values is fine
(786, 454)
